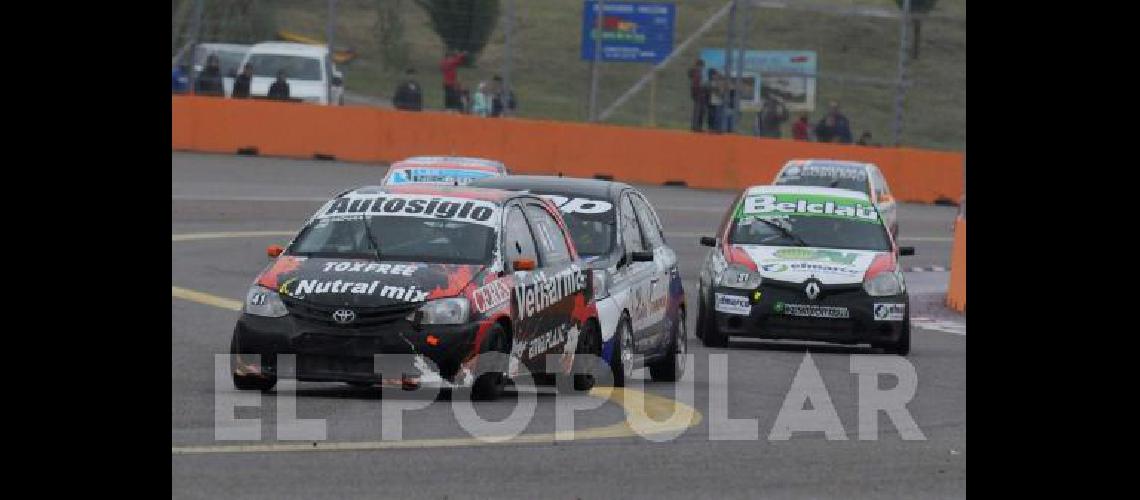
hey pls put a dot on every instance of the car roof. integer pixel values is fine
(549, 184)
(289, 48)
(224, 46)
(805, 190)
(492, 195)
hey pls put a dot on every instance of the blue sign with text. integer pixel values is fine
(631, 31)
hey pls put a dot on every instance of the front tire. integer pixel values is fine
(488, 385)
(262, 383)
(673, 366)
(710, 335)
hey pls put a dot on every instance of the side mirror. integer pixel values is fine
(274, 250)
(708, 241)
(522, 264)
(906, 250)
(641, 256)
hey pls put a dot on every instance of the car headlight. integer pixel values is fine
(738, 276)
(888, 283)
(453, 311)
(261, 301)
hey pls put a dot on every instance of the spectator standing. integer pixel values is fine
(280, 88)
(210, 80)
(865, 139)
(502, 98)
(825, 129)
(409, 95)
(697, 94)
(179, 82)
(714, 92)
(452, 98)
(800, 129)
(242, 82)
(842, 126)
(481, 103)
(770, 118)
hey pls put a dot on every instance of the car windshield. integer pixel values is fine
(453, 176)
(591, 223)
(806, 220)
(842, 177)
(296, 67)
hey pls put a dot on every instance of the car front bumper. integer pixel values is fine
(840, 314)
(394, 351)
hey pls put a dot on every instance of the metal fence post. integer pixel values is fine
(197, 36)
(330, 32)
(724, 100)
(598, 17)
(504, 92)
(900, 89)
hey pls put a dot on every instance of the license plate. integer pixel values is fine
(814, 311)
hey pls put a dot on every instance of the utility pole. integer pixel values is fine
(900, 89)
(599, 15)
(330, 31)
(504, 92)
(724, 101)
(197, 35)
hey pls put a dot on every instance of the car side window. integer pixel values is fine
(650, 227)
(549, 236)
(518, 242)
(630, 229)
(728, 216)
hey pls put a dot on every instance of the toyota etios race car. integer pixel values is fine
(804, 263)
(454, 286)
(641, 304)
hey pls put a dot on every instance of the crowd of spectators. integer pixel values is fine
(210, 82)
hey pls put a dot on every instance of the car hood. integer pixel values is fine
(796, 264)
(365, 282)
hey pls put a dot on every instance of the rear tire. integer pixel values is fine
(672, 367)
(247, 382)
(488, 386)
(710, 334)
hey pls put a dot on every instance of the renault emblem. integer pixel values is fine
(812, 290)
(343, 316)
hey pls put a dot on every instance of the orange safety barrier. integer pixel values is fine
(956, 293)
(629, 154)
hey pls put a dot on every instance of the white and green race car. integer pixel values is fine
(804, 263)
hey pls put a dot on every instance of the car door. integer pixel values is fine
(519, 245)
(664, 277)
(560, 285)
(634, 279)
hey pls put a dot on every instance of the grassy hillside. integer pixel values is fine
(553, 83)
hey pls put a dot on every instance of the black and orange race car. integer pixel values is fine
(422, 284)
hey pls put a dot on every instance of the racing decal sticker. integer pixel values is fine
(491, 296)
(438, 175)
(733, 304)
(850, 172)
(579, 205)
(300, 288)
(371, 267)
(811, 310)
(806, 205)
(542, 343)
(796, 264)
(410, 205)
(889, 312)
(535, 295)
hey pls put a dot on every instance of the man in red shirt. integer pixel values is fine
(800, 129)
(449, 67)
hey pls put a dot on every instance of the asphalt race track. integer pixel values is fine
(226, 209)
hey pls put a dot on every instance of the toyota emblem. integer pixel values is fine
(812, 290)
(343, 316)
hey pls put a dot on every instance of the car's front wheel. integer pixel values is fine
(489, 383)
(706, 324)
(249, 382)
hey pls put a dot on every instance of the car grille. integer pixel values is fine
(321, 314)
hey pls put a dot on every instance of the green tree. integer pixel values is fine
(917, 7)
(463, 24)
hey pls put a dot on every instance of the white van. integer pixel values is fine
(312, 78)
(230, 56)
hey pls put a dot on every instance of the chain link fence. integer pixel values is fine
(536, 47)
